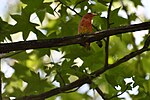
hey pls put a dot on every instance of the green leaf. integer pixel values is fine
(104, 2)
(23, 25)
(5, 30)
(21, 71)
(100, 22)
(41, 15)
(75, 51)
(32, 6)
(48, 8)
(62, 78)
(136, 2)
(133, 16)
(98, 8)
(31, 68)
(75, 96)
(116, 20)
(42, 10)
(33, 87)
(111, 80)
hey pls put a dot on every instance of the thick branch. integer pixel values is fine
(69, 40)
(86, 79)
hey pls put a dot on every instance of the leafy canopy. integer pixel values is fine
(39, 70)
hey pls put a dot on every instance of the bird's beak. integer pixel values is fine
(94, 14)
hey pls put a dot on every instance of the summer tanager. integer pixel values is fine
(85, 27)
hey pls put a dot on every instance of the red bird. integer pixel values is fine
(85, 27)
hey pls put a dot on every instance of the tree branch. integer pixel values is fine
(70, 40)
(86, 79)
(118, 94)
(107, 39)
(100, 93)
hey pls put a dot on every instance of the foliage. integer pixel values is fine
(39, 70)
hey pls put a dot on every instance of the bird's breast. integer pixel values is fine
(85, 27)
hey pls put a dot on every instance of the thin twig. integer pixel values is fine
(79, 3)
(56, 8)
(101, 93)
(63, 81)
(72, 90)
(97, 88)
(69, 8)
(118, 94)
(107, 39)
